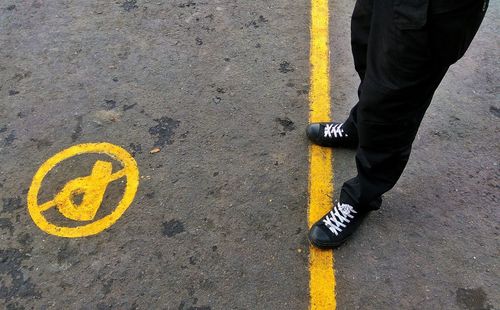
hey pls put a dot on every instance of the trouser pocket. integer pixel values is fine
(451, 33)
(410, 14)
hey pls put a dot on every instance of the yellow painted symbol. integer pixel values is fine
(90, 188)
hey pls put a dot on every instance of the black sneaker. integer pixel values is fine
(331, 135)
(336, 226)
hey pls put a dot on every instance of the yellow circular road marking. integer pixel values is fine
(91, 187)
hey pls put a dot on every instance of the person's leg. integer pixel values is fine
(385, 138)
(404, 68)
(345, 134)
(360, 32)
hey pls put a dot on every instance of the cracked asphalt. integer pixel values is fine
(211, 100)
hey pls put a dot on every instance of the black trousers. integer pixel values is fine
(401, 52)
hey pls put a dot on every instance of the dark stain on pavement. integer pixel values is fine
(495, 111)
(256, 23)
(41, 143)
(77, 132)
(6, 224)
(286, 123)
(303, 91)
(188, 4)
(286, 67)
(192, 260)
(106, 286)
(164, 131)
(184, 306)
(18, 285)
(129, 106)
(10, 138)
(25, 239)
(13, 92)
(66, 253)
(37, 4)
(262, 19)
(11, 7)
(104, 306)
(109, 104)
(21, 76)
(11, 204)
(472, 299)
(208, 29)
(136, 149)
(172, 228)
(129, 5)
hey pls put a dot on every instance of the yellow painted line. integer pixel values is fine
(322, 277)
(92, 187)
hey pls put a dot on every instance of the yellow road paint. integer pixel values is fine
(91, 187)
(322, 278)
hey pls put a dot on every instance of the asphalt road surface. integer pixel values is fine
(211, 100)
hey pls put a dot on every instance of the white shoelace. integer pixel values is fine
(335, 129)
(338, 216)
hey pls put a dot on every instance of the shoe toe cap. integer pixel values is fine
(312, 131)
(319, 237)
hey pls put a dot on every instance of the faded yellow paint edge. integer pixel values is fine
(321, 271)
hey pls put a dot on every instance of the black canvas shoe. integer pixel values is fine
(331, 135)
(336, 226)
